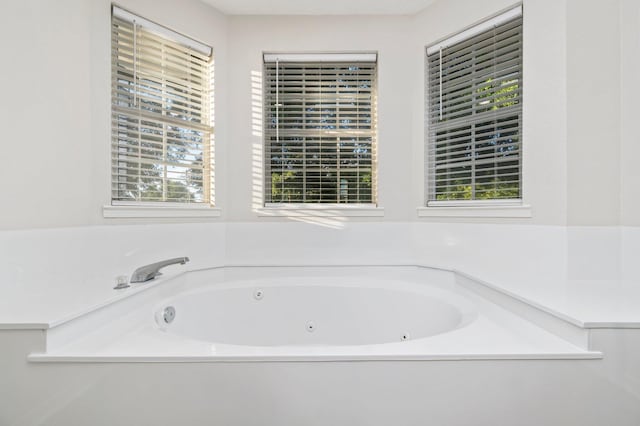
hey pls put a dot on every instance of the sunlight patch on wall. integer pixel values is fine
(327, 222)
(257, 162)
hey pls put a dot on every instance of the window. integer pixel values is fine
(161, 114)
(474, 113)
(320, 128)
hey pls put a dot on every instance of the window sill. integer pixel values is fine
(314, 210)
(131, 211)
(477, 211)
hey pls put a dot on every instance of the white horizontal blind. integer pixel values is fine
(320, 132)
(475, 116)
(161, 116)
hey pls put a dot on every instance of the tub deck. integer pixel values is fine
(505, 328)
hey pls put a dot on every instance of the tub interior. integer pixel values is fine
(282, 315)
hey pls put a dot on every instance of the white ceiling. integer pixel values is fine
(319, 7)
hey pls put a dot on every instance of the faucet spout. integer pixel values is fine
(149, 272)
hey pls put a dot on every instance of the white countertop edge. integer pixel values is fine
(612, 324)
(86, 358)
(25, 326)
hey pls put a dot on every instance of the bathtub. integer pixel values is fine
(339, 313)
(306, 311)
(314, 346)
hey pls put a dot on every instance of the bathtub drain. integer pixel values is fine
(311, 327)
(169, 314)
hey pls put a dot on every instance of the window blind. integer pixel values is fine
(161, 114)
(474, 114)
(320, 130)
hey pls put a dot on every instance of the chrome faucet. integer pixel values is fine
(149, 272)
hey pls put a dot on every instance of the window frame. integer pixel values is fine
(323, 209)
(143, 208)
(492, 207)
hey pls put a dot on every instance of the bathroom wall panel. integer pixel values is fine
(319, 243)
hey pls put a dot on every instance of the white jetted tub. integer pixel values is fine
(302, 311)
(256, 314)
(373, 346)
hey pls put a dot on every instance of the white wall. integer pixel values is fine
(250, 36)
(580, 142)
(401, 42)
(580, 72)
(544, 122)
(45, 115)
(593, 112)
(55, 114)
(545, 126)
(192, 18)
